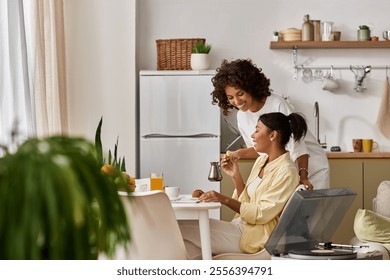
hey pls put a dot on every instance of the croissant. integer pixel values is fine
(197, 193)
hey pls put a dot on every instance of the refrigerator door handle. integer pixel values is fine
(200, 135)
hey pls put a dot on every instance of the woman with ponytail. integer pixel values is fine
(260, 201)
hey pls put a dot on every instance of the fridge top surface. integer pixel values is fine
(177, 72)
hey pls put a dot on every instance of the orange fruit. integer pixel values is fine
(131, 181)
(108, 169)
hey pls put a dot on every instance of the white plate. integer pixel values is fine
(186, 199)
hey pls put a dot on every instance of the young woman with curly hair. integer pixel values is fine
(241, 85)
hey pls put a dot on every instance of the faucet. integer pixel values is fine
(317, 124)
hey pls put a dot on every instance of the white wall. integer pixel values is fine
(102, 53)
(243, 29)
(101, 73)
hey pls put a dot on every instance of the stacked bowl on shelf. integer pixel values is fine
(291, 34)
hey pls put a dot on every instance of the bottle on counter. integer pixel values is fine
(307, 29)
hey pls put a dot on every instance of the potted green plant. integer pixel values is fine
(364, 33)
(113, 167)
(275, 37)
(200, 59)
(56, 204)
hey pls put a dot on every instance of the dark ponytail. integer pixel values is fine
(298, 126)
(293, 124)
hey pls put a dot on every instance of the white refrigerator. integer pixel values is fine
(179, 128)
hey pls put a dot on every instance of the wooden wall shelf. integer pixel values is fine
(330, 45)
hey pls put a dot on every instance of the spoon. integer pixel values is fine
(367, 70)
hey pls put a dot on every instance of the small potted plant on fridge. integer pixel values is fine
(363, 33)
(200, 59)
(275, 37)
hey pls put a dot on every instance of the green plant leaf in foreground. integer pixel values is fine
(55, 203)
(98, 143)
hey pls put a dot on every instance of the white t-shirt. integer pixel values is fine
(253, 185)
(318, 161)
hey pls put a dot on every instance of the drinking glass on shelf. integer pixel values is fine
(326, 31)
(156, 181)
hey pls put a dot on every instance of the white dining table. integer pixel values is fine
(186, 208)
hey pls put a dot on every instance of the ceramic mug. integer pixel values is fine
(368, 145)
(336, 35)
(330, 84)
(386, 35)
(357, 145)
(172, 192)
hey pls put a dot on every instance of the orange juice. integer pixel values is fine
(156, 181)
(156, 184)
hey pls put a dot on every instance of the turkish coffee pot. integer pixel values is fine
(215, 173)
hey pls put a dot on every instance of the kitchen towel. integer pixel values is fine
(383, 120)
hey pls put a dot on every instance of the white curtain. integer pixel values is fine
(16, 73)
(32, 70)
(50, 78)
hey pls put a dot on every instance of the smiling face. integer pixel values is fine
(242, 100)
(262, 138)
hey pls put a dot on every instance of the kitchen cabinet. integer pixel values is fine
(347, 173)
(363, 176)
(375, 171)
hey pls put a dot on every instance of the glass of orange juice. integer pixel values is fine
(156, 181)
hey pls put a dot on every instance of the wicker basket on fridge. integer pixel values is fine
(175, 54)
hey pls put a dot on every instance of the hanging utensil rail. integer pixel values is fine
(297, 67)
(301, 67)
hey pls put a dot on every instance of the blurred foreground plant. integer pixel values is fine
(56, 204)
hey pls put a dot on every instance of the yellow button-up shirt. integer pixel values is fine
(262, 210)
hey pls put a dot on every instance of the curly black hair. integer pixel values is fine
(242, 74)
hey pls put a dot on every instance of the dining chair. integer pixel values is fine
(262, 254)
(155, 233)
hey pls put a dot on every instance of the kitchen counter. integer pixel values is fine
(348, 155)
(352, 155)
